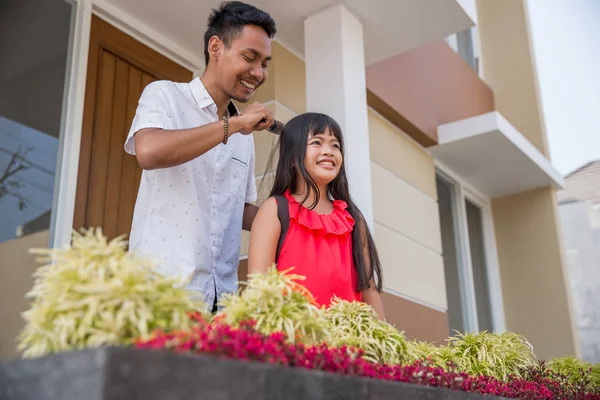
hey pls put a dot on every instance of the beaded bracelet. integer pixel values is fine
(226, 119)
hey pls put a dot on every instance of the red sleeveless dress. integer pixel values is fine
(319, 247)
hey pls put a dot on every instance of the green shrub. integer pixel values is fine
(95, 293)
(276, 302)
(577, 371)
(356, 324)
(437, 356)
(490, 354)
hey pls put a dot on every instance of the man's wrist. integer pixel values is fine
(235, 124)
(225, 129)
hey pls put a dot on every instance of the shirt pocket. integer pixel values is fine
(239, 175)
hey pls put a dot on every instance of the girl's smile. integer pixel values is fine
(323, 158)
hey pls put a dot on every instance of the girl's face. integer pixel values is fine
(323, 159)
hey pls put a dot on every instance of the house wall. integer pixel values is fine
(534, 278)
(537, 298)
(16, 269)
(407, 231)
(510, 68)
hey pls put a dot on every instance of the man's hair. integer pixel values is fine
(228, 21)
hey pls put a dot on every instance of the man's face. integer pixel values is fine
(243, 66)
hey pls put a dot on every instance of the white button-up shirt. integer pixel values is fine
(188, 218)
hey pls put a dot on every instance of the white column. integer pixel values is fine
(336, 86)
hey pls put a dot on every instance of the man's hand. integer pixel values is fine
(250, 120)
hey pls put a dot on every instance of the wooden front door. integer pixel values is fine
(119, 67)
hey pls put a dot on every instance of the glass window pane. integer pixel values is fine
(449, 249)
(478, 262)
(464, 41)
(32, 81)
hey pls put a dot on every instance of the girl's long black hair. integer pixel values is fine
(292, 150)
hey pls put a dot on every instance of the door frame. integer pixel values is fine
(66, 180)
(462, 192)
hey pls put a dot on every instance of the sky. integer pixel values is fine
(566, 37)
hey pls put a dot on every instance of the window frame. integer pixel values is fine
(462, 192)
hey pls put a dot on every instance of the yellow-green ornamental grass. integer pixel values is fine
(95, 293)
(490, 354)
(576, 370)
(481, 353)
(356, 324)
(437, 356)
(277, 302)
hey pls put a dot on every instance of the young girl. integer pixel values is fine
(327, 239)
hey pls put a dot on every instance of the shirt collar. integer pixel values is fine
(232, 109)
(204, 99)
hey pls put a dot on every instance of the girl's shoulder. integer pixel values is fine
(269, 203)
(273, 201)
(270, 206)
(267, 209)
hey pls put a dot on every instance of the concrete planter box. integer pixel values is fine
(128, 374)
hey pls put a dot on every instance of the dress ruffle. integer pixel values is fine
(338, 222)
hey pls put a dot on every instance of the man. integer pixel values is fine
(197, 153)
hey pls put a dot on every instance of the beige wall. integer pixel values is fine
(407, 227)
(537, 301)
(16, 269)
(509, 68)
(536, 297)
(290, 79)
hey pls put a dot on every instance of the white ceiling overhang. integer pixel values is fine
(493, 156)
(390, 27)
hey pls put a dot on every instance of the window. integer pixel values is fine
(464, 40)
(464, 43)
(32, 82)
(446, 195)
(472, 279)
(479, 266)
